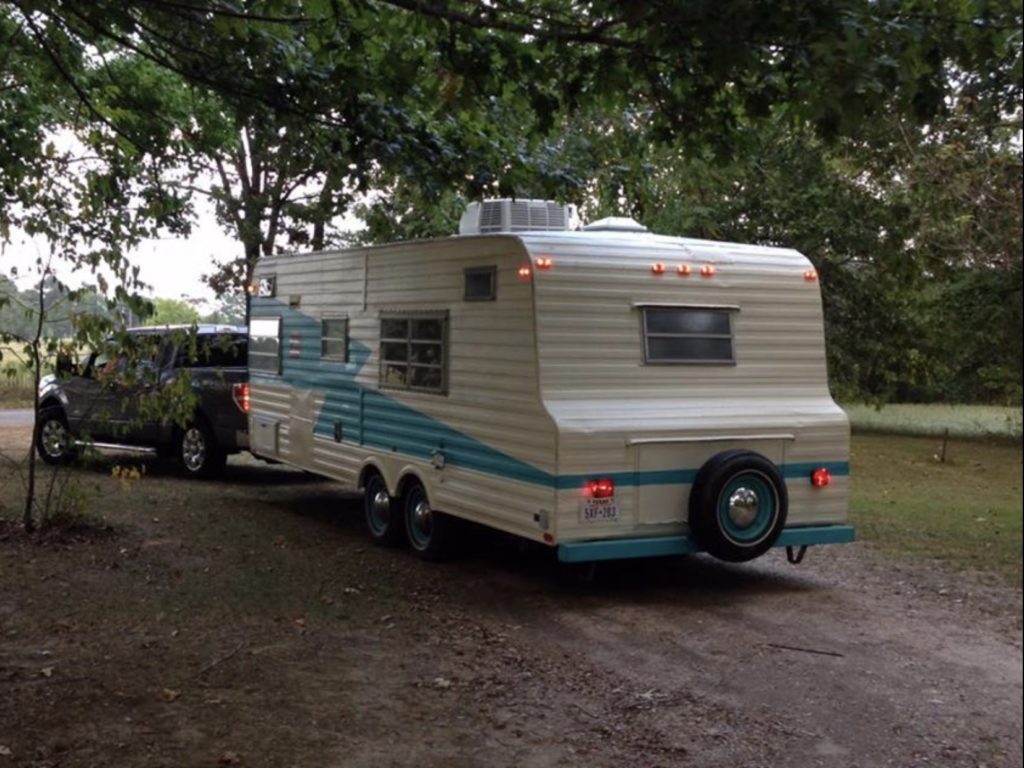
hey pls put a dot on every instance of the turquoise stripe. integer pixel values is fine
(375, 418)
(659, 546)
(804, 469)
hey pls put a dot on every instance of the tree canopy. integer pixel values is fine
(881, 138)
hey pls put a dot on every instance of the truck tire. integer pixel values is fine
(198, 452)
(53, 439)
(738, 505)
(382, 513)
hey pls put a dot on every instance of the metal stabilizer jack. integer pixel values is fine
(796, 556)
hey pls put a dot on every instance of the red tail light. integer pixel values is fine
(240, 394)
(600, 489)
(821, 477)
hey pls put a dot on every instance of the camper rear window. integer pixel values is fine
(265, 344)
(687, 335)
(412, 352)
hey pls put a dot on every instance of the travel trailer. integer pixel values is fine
(606, 391)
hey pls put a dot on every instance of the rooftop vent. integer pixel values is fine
(615, 224)
(506, 215)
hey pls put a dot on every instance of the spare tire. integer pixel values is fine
(738, 505)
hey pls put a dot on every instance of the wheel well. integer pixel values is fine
(51, 402)
(368, 471)
(408, 480)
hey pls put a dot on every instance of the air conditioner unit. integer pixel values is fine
(507, 215)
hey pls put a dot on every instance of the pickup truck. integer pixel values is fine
(112, 401)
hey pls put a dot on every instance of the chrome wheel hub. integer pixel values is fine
(421, 518)
(193, 448)
(380, 505)
(54, 438)
(743, 506)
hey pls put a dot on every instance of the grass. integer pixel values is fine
(972, 421)
(16, 381)
(965, 512)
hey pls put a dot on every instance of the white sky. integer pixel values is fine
(173, 267)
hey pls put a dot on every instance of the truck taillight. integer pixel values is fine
(600, 489)
(240, 394)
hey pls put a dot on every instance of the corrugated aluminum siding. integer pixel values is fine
(616, 414)
(491, 413)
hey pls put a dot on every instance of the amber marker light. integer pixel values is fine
(708, 270)
(684, 270)
(658, 268)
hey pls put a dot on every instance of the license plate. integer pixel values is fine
(599, 510)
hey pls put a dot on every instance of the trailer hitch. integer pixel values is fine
(796, 556)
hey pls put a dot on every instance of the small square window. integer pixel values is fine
(687, 335)
(412, 352)
(481, 284)
(334, 339)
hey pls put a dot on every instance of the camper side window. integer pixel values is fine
(265, 344)
(412, 352)
(334, 339)
(687, 335)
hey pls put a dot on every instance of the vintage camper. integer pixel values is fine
(603, 390)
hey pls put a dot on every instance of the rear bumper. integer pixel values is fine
(660, 546)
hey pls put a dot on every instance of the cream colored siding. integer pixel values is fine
(492, 396)
(773, 399)
(547, 385)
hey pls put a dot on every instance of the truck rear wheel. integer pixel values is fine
(198, 451)
(738, 505)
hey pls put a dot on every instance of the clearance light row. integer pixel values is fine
(658, 269)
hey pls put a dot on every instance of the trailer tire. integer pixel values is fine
(738, 505)
(432, 535)
(381, 512)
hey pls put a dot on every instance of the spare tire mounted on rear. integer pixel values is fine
(738, 505)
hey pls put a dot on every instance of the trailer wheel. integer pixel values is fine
(738, 505)
(431, 533)
(382, 514)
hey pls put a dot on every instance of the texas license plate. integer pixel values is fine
(599, 510)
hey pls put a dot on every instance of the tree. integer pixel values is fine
(295, 106)
(172, 312)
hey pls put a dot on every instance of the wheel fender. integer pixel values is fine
(738, 505)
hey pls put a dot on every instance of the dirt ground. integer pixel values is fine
(249, 622)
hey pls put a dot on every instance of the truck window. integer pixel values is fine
(412, 352)
(687, 334)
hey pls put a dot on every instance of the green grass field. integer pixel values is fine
(965, 512)
(935, 419)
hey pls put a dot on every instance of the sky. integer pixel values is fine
(173, 267)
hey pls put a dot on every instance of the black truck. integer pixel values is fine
(113, 399)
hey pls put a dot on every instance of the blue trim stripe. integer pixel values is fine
(375, 418)
(660, 546)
